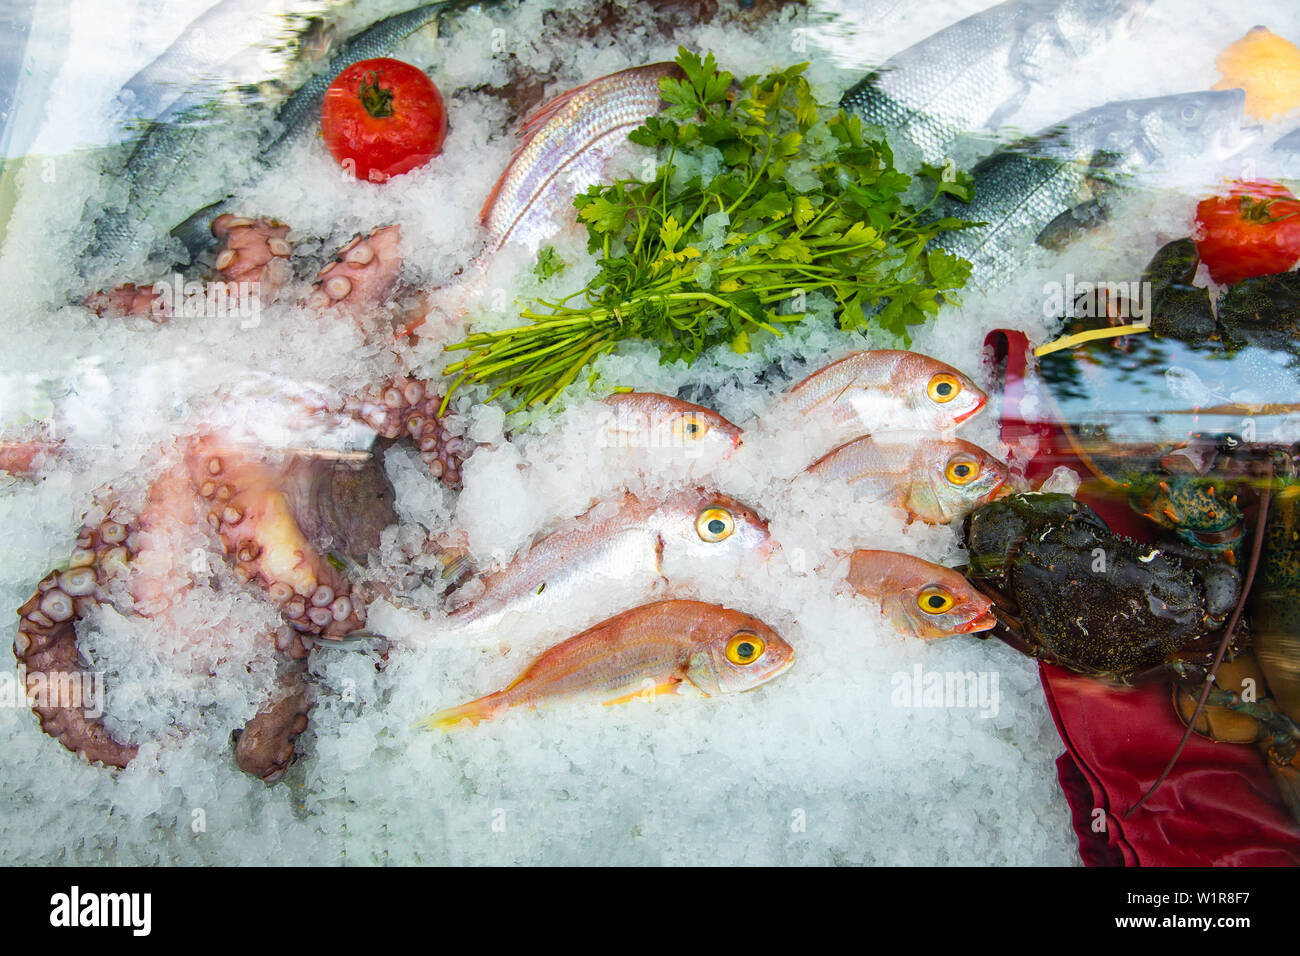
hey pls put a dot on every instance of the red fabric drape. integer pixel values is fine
(1219, 806)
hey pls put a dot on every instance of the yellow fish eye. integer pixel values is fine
(962, 471)
(715, 524)
(690, 427)
(744, 648)
(934, 600)
(943, 388)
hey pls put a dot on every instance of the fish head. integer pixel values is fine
(737, 653)
(939, 604)
(1211, 121)
(940, 394)
(961, 477)
(704, 532)
(1087, 25)
(1207, 123)
(661, 422)
(919, 598)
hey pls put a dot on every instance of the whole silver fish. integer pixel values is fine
(976, 73)
(1056, 183)
(565, 146)
(194, 142)
(625, 547)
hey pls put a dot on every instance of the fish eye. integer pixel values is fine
(934, 600)
(691, 427)
(715, 524)
(962, 471)
(744, 648)
(1189, 113)
(943, 388)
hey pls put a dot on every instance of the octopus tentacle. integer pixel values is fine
(130, 299)
(46, 645)
(408, 408)
(26, 452)
(253, 250)
(252, 516)
(268, 742)
(362, 274)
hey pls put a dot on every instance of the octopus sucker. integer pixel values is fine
(408, 408)
(253, 250)
(258, 526)
(363, 274)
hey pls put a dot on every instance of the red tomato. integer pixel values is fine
(1253, 231)
(381, 118)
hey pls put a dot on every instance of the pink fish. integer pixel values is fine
(935, 479)
(566, 144)
(886, 389)
(651, 649)
(920, 598)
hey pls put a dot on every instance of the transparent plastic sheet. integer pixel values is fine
(354, 760)
(1219, 806)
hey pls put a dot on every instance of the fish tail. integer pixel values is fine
(485, 708)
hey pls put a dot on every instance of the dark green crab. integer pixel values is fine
(1068, 590)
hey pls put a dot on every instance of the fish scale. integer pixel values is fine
(1025, 189)
(976, 73)
(568, 141)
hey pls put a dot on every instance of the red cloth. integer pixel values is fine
(1219, 805)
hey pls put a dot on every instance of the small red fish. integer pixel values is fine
(935, 479)
(920, 598)
(883, 389)
(647, 650)
(651, 420)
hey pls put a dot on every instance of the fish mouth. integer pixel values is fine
(785, 666)
(985, 622)
(997, 491)
(957, 420)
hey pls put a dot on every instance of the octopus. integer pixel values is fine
(285, 523)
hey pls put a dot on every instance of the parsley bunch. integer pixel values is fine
(759, 199)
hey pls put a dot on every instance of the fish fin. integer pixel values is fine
(476, 711)
(1072, 223)
(496, 187)
(669, 687)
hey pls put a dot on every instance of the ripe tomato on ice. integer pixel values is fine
(1253, 231)
(381, 118)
